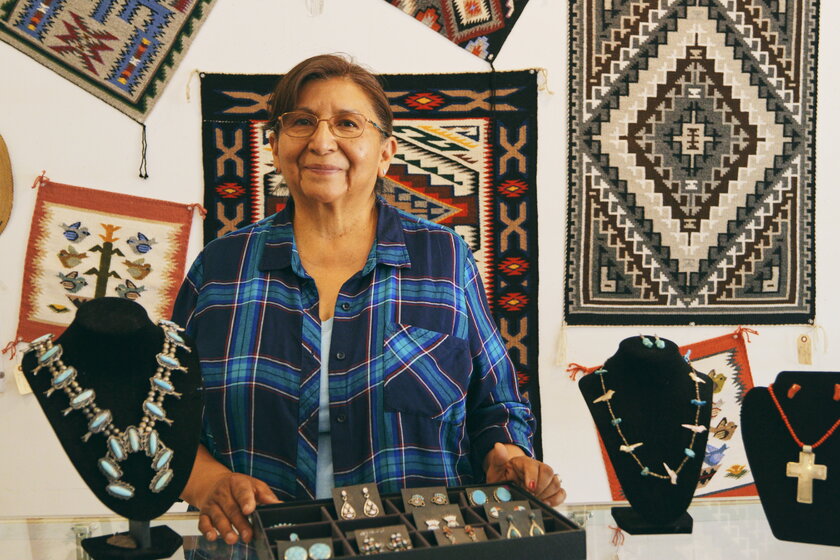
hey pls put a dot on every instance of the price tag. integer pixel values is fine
(803, 350)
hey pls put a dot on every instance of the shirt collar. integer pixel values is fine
(280, 250)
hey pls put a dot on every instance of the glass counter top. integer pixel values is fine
(723, 530)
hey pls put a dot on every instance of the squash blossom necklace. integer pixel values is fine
(120, 443)
(630, 449)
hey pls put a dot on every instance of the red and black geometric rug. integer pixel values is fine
(466, 158)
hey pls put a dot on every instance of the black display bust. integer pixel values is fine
(113, 346)
(653, 394)
(811, 410)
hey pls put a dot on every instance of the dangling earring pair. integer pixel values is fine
(648, 343)
(796, 387)
(370, 509)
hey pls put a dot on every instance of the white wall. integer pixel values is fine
(48, 123)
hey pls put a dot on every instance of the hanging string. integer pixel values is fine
(560, 349)
(745, 332)
(202, 211)
(11, 348)
(144, 174)
(41, 179)
(194, 73)
(617, 537)
(544, 85)
(819, 332)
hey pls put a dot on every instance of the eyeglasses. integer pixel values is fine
(300, 124)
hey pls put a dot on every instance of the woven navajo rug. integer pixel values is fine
(122, 51)
(466, 158)
(86, 244)
(725, 471)
(691, 164)
(479, 26)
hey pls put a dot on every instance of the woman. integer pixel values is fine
(343, 341)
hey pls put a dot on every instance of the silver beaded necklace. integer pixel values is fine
(120, 443)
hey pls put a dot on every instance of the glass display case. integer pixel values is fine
(723, 529)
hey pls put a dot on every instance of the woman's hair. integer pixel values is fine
(322, 67)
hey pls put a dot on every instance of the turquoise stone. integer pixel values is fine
(169, 325)
(161, 480)
(120, 490)
(63, 377)
(163, 384)
(109, 468)
(153, 409)
(320, 551)
(174, 337)
(168, 362)
(162, 458)
(52, 354)
(41, 339)
(600, 371)
(132, 438)
(82, 399)
(152, 443)
(689, 453)
(696, 402)
(295, 553)
(645, 471)
(115, 446)
(100, 421)
(647, 342)
(502, 494)
(478, 497)
(615, 421)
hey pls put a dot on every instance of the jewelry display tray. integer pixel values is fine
(563, 539)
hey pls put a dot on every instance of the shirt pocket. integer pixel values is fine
(426, 373)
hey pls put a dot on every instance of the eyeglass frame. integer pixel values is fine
(279, 128)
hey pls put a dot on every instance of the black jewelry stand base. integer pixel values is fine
(630, 521)
(162, 542)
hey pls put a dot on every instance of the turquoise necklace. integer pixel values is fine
(630, 448)
(120, 443)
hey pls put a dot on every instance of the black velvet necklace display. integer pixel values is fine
(113, 345)
(811, 411)
(653, 397)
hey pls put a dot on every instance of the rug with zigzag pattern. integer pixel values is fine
(466, 158)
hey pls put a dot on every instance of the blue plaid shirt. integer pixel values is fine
(420, 384)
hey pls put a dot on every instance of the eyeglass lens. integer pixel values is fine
(301, 124)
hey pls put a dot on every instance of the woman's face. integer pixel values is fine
(323, 168)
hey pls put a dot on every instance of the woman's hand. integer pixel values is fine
(509, 462)
(224, 499)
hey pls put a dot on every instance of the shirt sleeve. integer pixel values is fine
(496, 411)
(183, 314)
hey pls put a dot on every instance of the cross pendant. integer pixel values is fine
(806, 470)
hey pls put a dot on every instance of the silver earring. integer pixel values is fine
(347, 511)
(370, 508)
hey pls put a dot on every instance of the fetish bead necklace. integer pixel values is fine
(120, 443)
(630, 449)
(806, 470)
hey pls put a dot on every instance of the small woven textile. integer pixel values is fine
(725, 471)
(466, 158)
(122, 51)
(479, 26)
(86, 244)
(691, 164)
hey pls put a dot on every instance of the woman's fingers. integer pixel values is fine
(232, 500)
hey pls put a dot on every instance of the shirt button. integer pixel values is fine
(339, 355)
(341, 418)
(345, 306)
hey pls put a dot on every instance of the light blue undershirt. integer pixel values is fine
(324, 471)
